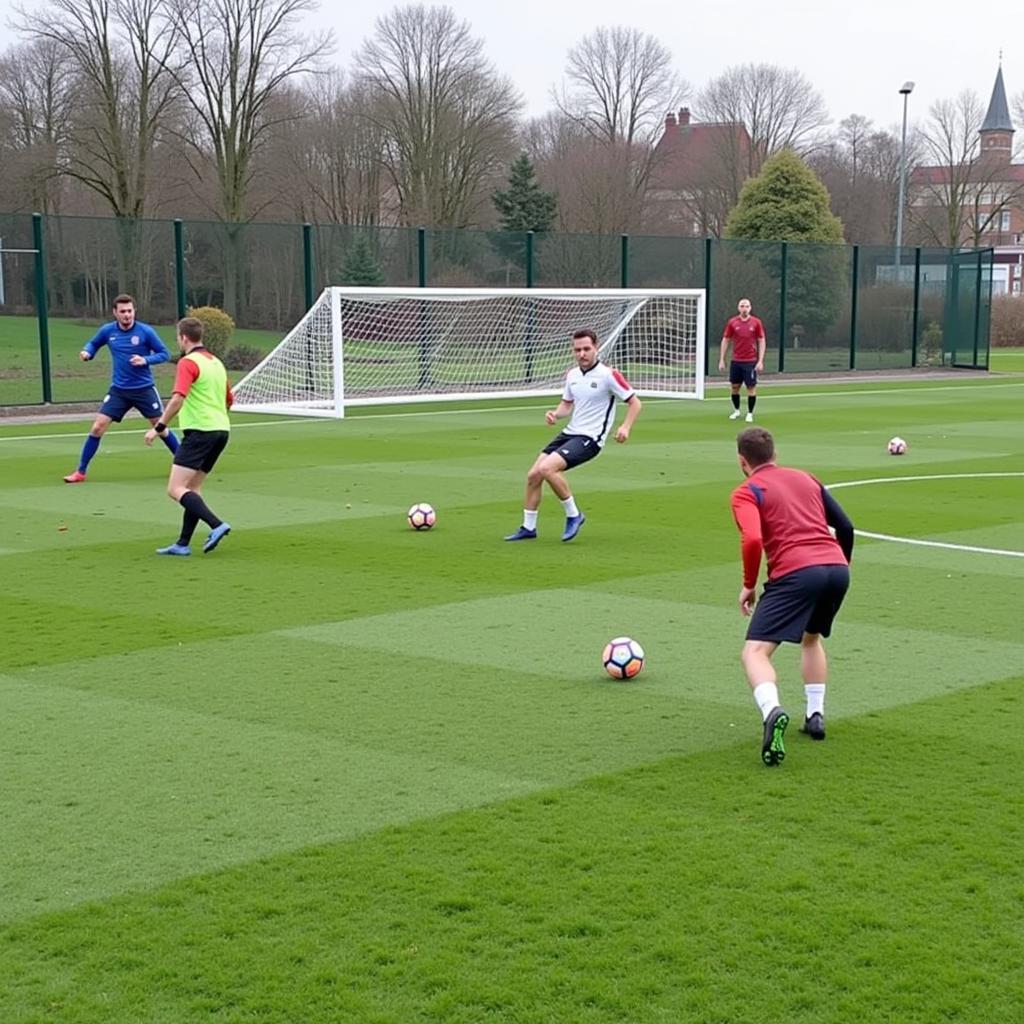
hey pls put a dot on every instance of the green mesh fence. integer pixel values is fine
(826, 308)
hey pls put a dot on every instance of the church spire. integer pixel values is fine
(998, 117)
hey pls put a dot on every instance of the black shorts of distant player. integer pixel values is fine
(574, 448)
(200, 449)
(804, 601)
(742, 372)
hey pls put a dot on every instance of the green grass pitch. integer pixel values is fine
(339, 771)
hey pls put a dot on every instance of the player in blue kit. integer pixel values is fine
(134, 348)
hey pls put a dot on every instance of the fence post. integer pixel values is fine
(421, 256)
(624, 261)
(179, 266)
(529, 259)
(41, 307)
(915, 321)
(707, 302)
(854, 276)
(782, 308)
(307, 263)
(977, 310)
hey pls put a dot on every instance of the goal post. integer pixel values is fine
(369, 346)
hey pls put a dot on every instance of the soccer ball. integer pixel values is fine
(422, 516)
(623, 658)
(897, 446)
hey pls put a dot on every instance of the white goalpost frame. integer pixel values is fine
(254, 395)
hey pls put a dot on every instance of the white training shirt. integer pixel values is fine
(593, 397)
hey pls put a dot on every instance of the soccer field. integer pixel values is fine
(341, 771)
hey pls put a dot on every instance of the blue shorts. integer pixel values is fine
(804, 601)
(743, 373)
(574, 448)
(119, 401)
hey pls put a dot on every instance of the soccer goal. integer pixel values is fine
(366, 346)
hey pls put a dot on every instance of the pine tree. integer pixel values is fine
(361, 267)
(524, 205)
(787, 202)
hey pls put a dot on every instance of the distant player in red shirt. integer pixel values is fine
(746, 333)
(786, 514)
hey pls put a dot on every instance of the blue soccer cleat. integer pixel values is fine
(217, 534)
(522, 534)
(175, 549)
(572, 526)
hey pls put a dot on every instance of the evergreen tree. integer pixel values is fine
(524, 205)
(787, 202)
(361, 267)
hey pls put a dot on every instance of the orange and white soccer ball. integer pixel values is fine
(897, 446)
(422, 516)
(623, 658)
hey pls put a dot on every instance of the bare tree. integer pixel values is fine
(37, 99)
(235, 57)
(620, 84)
(117, 51)
(334, 152)
(860, 167)
(777, 107)
(446, 115)
(963, 193)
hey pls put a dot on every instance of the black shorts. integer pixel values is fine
(200, 449)
(743, 373)
(574, 448)
(805, 601)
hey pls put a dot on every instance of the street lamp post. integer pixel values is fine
(905, 90)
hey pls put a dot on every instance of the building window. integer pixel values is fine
(1004, 221)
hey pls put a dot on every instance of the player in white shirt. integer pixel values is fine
(591, 389)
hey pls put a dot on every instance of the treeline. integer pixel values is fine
(230, 110)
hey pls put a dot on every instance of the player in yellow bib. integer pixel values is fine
(201, 399)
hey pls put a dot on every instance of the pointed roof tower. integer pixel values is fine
(997, 130)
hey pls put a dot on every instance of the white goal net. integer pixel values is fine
(363, 346)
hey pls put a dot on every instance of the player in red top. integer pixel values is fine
(786, 514)
(746, 333)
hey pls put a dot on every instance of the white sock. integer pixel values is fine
(815, 693)
(570, 507)
(530, 518)
(766, 697)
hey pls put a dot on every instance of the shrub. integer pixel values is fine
(242, 357)
(1008, 320)
(217, 328)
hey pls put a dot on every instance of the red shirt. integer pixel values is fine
(188, 372)
(745, 335)
(782, 512)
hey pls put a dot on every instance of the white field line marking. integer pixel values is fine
(284, 420)
(929, 543)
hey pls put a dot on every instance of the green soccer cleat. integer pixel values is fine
(773, 749)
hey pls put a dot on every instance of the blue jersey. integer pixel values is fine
(139, 340)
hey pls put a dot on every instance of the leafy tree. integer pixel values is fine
(524, 205)
(786, 202)
(361, 267)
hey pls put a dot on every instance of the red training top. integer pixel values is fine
(745, 335)
(783, 512)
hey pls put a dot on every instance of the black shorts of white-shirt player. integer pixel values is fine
(574, 448)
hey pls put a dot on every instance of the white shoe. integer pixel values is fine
(749, 417)
(735, 414)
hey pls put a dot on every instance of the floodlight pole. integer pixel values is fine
(905, 90)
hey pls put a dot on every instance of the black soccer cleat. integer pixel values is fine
(814, 726)
(773, 749)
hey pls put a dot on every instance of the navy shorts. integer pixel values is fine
(119, 401)
(574, 448)
(743, 373)
(200, 449)
(805, 601)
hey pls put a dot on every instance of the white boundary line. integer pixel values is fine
(929, 543)
(519, 408)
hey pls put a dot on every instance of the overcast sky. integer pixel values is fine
(857, 54)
